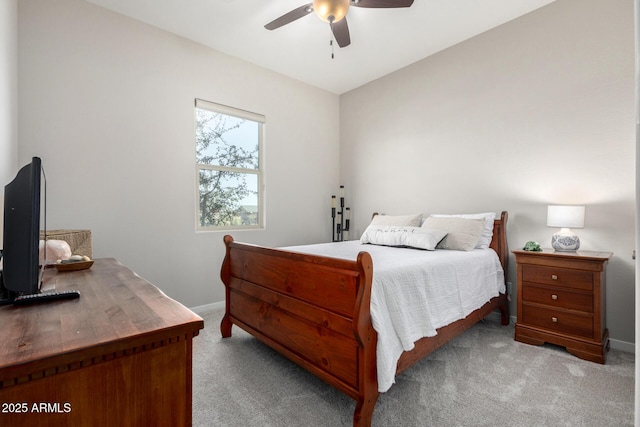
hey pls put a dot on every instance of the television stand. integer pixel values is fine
(121, 353)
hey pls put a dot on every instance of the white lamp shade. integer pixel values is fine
(564, 216)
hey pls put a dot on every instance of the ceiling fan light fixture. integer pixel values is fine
(331, 11)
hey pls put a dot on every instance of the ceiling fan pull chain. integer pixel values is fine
(331, 40)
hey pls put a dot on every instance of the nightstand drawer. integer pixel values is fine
(576, 279)
(558, 298)
(558, 320)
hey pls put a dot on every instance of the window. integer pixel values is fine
(228, 167)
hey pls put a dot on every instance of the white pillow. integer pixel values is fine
(413, 237)
(463, 234)
(487, 233)
(398, 220)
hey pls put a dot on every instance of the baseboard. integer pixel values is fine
(625, 346)
(201, 309)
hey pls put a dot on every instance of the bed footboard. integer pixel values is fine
(314, 310)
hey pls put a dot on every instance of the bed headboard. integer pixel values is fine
(499, 240)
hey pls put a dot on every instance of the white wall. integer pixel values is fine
(8, 93)
(538, 111)
(108, 103)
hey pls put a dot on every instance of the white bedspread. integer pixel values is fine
(416, 292)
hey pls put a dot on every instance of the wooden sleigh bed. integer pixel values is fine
(315, 310)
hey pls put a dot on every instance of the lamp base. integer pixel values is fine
(565, 240)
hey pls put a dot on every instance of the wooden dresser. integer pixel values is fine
(561, 300)
(121, 354)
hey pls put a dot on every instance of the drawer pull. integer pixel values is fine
(554, 319)
(554, 297)
(554, 277)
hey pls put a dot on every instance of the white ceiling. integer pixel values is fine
(382, 40)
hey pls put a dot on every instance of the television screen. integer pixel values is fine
(22, 203)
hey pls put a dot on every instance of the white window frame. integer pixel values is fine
(259, 172)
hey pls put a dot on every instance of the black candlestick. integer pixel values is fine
(338, 229)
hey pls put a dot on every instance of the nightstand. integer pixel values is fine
(561, 300)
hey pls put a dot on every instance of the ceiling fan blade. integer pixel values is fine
(290, 17)
(340, 31)
(381, 3)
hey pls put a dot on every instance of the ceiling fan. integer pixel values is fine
(334, 13)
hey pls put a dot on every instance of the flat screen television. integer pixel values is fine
(21, 233)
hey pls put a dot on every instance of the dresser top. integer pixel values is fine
(585, 255)
(117, 308)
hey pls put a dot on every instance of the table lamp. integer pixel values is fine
(565, 217)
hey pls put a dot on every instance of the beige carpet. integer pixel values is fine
(482, 378)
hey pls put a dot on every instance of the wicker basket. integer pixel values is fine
(78, 240)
